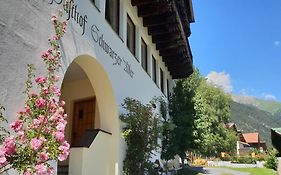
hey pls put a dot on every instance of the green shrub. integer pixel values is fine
(271, 160)
(246, 160)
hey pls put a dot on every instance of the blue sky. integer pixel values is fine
(237, 43)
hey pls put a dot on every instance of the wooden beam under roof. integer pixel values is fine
(165, 38)
(166, 18)
(173, 57)
(159, 30)
(152, 9)
(174, 50)
(142, 2)
(168, 45)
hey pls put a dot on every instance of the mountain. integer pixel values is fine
(271, 106)
(249, 117)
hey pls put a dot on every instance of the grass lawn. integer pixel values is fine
(252, 171)
(256, 171)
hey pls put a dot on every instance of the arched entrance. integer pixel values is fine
(93, 124)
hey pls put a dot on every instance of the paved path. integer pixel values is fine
(218, 171)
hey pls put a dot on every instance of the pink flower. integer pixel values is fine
(54, 19)
(28, 172)
(59, 136)
(55, 37)
(56, 90)
(27, 110)
(56, 78)
(2, 152)
(40, 103)
(45, 55)
(33, 94)
(42, 119)
(64, 151)
(36, 123)
(10, 145)
(3, 160)
(61, 103)
(40, 80)
(61, 126)
(36, 143)
(17, 125)
(46, 91)
(44, 156)
(41, 169)
(22, 136)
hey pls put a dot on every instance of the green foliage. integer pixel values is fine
(141, 133)
(271, 161)
(212, 107)
(244, 160)
(3, 131)
(181, 110)
(167, 127)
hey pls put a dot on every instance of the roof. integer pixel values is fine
(277, 130)
(251, 137)
(168, 22)
(231, 125)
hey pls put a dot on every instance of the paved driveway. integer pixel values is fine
(218, 171)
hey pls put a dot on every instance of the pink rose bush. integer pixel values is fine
(39, 128)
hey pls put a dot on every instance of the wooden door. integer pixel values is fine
(83, 118)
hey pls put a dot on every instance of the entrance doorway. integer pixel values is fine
(83, 119)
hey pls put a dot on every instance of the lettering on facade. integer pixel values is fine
(97, 36)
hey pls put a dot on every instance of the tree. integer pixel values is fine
(212, 107)
(141, 133)
(181, 110)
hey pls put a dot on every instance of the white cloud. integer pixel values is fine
(268, 96)
(276, 43)
(221, 80)
(244, 92)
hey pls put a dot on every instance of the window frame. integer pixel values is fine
(112, 16)
(154, 70)
(162, 87)
(144, 58)
(133, 37)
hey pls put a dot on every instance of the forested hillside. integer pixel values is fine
(251, 119)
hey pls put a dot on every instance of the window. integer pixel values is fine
(161, 80)
(131, 35)
(144, 55)
(112, 14)
(154, 69)
(168, 88)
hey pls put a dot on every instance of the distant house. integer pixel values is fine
(248, 141)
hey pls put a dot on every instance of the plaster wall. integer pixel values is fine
(24, 29)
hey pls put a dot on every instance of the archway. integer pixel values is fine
(93, 125)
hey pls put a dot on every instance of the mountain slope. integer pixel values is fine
(266, 105)
(251, 119)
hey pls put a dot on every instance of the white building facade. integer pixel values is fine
(112, 49)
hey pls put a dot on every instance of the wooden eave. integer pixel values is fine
(168, 22)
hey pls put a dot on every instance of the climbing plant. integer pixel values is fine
(141, 131)
(38, 132)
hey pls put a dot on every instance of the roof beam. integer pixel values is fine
(142, 2)
(151, 10)
(166, 18)
(165, 38)
(168, 45)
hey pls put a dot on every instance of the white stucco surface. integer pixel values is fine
(24, 29)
